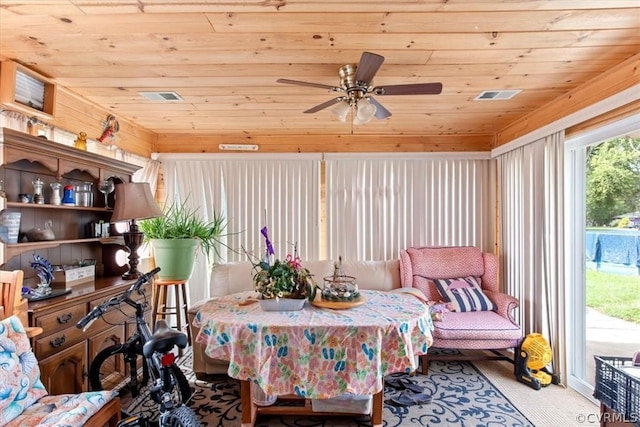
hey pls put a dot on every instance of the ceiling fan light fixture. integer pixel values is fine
(357, 88)
(341, 110)
(365, 111)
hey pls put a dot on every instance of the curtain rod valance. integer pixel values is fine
(454, 155)
(457, 155)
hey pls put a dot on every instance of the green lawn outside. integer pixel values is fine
(614, 295)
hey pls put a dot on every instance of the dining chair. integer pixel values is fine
(12, 302)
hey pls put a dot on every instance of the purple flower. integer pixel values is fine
(265, 232)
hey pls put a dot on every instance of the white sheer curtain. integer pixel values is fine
(531, 182)
(13, 120)
(148, 172)
(20, 122)
(281, 192)
(378, 205)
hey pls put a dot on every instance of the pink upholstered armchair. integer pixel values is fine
(480, 328)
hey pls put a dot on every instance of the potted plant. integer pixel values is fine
(282, 284)
(176, 236)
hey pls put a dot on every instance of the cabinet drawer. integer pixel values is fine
(56, 342)
(63, 318)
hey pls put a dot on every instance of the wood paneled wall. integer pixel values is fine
(624, 76)
(181, 143)
(76, 114)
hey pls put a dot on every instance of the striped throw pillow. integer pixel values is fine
(464, 293)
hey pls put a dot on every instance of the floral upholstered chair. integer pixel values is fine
(24, 400)
(462, 285)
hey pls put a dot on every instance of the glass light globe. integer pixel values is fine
(341, 110)
(365, 111)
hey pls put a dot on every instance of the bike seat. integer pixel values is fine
(164, 338)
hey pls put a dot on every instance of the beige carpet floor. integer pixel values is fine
(551, 406)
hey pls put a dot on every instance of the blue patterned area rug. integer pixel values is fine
(461, 396)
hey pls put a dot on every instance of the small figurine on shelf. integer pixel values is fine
(109, 129)
(45, 272)
(40, 234)
(81, 141)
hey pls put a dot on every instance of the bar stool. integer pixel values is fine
(160, 308)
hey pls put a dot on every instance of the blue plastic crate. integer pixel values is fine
(616, 388)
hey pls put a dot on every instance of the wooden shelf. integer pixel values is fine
(16, 249)
(45, 206)
(23, 158)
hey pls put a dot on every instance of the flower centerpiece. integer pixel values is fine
(277, 279)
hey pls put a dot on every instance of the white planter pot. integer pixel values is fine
(282, 304)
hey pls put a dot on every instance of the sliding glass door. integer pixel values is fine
(603, 231)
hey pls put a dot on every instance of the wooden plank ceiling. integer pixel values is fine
(223, 59)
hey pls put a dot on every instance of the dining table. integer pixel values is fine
(321, 351)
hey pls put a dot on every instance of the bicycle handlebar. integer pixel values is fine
(99, 310)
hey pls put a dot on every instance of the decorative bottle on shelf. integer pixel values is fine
(81, 141)
(68, 198)
(88, 188)
(38, 197)
(55, 193)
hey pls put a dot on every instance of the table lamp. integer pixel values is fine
(134, 201)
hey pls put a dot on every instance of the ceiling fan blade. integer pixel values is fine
(325, 105)
(318, 85)
(381, 112)
(409, 89)
(368, 67)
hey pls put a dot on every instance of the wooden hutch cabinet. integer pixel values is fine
(64, 351)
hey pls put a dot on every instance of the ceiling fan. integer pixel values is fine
(356, 84)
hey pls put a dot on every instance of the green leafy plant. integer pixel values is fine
(282, 279)
(180, 222)
(275, 278)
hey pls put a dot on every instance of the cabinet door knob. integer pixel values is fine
(58, 342)
(65, 318)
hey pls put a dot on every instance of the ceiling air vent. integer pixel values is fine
(494, 95)
(162, 96)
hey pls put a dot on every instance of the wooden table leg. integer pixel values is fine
(249, 410)
(376, 410)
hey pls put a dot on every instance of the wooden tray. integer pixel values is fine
(339, 305)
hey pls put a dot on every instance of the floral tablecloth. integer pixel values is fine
(317, 352)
